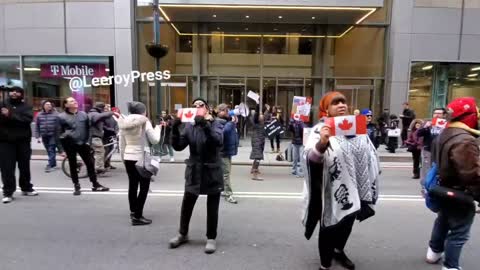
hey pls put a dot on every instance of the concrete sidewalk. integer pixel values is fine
(243, 157)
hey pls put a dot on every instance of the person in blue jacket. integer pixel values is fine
(371, 127)
(229, 149)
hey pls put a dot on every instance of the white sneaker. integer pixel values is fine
(432, 257)
(7, 199)
(30, 193)
(445, 268)
(172, 159)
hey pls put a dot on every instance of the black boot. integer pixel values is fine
(343, 260)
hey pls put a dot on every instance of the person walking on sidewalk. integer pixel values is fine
(457, 155)
(135, 130)
(98, 116)
(47, 132)
(258, 143)
(341, 183)
(203, 173)
(110, 131)
(230, 148)
(414, 145)
(407, 117)
(428, 133)
(296, 127)
(15, 144)
(74, 129)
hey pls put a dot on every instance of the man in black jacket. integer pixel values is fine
(407, 117)
(15, 138)
(74, 126)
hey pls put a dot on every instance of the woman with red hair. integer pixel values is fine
(340, 183)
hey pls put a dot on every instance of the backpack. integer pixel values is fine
(432, 181)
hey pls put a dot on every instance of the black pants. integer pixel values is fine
(404, 134)
(255, 165)
(416, 154)
(189, 200)
(136, 198)
(277, 138)
(10, 155)
(332, 238)
(85, 152)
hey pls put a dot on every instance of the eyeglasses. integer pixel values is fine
(199, 105)
(369, 116)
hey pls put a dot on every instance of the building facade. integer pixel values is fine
(379, 53)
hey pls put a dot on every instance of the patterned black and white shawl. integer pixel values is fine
(350, 177)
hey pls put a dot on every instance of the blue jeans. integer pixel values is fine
(451, 231)
(296, 165)
(50, 145)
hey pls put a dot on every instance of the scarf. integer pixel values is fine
(350, 178)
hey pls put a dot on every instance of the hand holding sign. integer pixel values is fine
(439, 122)
(349, 125)
(187, 115)
(254, 96)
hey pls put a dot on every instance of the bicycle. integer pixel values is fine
(81, 167)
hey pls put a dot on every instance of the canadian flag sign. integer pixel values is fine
(439, 122)
(349, 125)
(301, 108)
(187, 115)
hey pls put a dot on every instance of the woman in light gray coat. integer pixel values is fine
(135, 129)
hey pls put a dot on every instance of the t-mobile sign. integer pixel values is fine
(72, 70)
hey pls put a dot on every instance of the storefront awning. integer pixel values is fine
(269, 21)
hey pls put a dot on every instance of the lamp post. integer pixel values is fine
(157, 51)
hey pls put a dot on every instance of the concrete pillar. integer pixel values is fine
(293, 43)
(204, 91)
(196, 62)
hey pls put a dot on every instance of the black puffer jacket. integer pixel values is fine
(203, 173)
(16, 126)
(74, 127)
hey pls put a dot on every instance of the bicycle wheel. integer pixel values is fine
(81, 168)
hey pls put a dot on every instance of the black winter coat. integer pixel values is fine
(258, 138)
(47, 124)
(16, 127)
(204, 172)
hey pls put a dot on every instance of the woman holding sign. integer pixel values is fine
(203, 173)
(341, 179)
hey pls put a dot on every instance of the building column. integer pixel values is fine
(398, 44)
(196, 62)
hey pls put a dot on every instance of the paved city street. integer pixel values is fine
(59, 231)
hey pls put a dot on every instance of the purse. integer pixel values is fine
(149, 164)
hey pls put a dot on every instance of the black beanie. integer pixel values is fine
(100, 105)
(202, 100)
(135, 107)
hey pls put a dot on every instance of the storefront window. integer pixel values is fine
(249, 45)
(9, 74)
(48, 77)
(437, 84)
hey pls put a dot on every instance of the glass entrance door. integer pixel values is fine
(358, 96)
(232, 91)
(287, 89)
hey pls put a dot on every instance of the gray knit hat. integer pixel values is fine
(135, 107)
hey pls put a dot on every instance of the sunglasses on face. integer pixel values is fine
(199, 105)
(369, 116)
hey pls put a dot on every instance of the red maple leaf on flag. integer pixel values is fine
(189, 114)
(345, 125)
(441, 122)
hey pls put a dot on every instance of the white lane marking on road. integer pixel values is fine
(179, 193)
